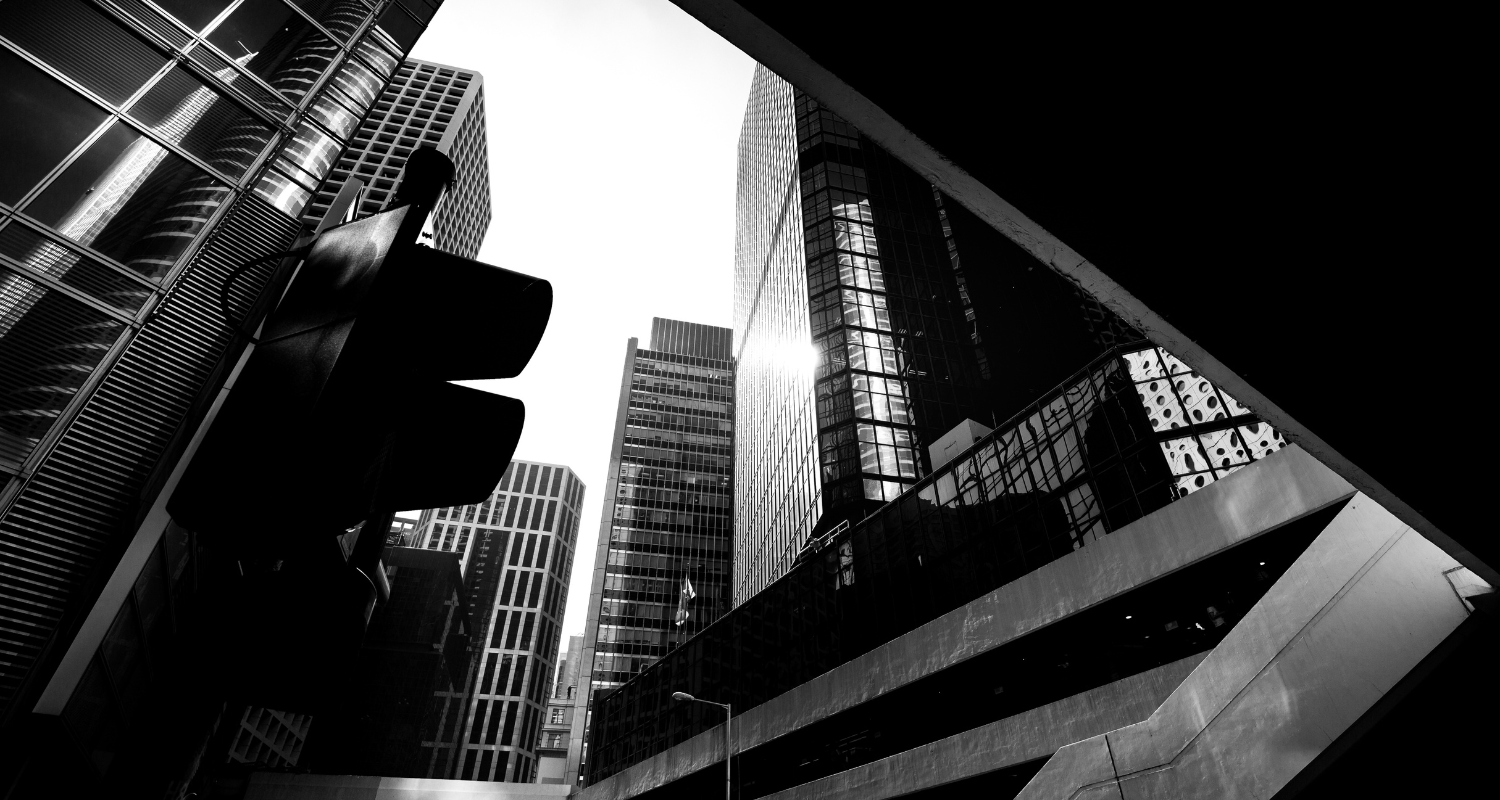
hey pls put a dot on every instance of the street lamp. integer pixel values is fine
(684, 697)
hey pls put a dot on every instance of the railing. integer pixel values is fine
(1130, 433)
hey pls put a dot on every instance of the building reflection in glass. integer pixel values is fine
(1088, 458)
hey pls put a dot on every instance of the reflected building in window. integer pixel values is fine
(861, 334)
(425, 105)
(662, 562)
(148, 150)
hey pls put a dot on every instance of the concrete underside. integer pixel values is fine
(1259, 498)
(287, 786)
(1003, 743)
(1366, 602)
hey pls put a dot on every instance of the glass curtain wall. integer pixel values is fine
(128, 130)
(1131, 433)
(148, 148)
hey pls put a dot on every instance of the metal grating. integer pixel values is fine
(87, 492)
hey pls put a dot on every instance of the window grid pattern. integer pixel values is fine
(516, 553)
(1086, 459)
(133, 184)
(669, 524)
(425, 105)
(267, 736)
(889, 313)
(777, 497)
(160, 150)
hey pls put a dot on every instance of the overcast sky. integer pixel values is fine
(612, 129)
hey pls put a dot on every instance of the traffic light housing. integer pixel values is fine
(344, 409)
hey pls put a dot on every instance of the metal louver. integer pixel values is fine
(76, 507)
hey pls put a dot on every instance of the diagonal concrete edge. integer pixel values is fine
(1005, 742)
(763, 43)
(1257, 499)
(1362, 606)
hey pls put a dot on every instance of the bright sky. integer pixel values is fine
(612, 127)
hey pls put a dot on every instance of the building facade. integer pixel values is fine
(425, 105)
(870, 317)
(1085, 461)
(149, 149)
(552, 749)
(663, 560)
(516, 553)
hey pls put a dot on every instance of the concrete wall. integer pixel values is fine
(1252, 501)
(283, 786)
(1003, 743)
(1367, 601)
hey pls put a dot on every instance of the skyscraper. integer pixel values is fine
(148, 151)
(425, 105)
(662, 562)
(516, 551)
(870, 318)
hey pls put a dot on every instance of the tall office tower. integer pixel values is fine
(516, 550)
(425, 105)
(662, 563)
(416, 654)
(860, 337)
(148, 150)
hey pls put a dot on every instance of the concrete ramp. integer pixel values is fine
(1367, 601)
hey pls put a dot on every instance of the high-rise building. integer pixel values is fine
(149, 149)
(1122, 579)
(425, 105)
(861, 335)
(516, 551)
(662, 562)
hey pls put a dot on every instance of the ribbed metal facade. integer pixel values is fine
(75, 495)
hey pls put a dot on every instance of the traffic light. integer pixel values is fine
(344, 409)
(342, 414)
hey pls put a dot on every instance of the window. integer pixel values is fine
(557, 716)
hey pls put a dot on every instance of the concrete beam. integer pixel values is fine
(289, 786)
(1367, 601)
(1258, 498)
(1003, 743)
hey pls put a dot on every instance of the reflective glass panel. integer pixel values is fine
(184, 111)
(312, 150)
(400, 26)
(195, 14)
(282, 192)
(333, 114)
(41, 121)
(258, 26)
(96, 52)
(115, 192)
(49, 344)
(70, 267)
(340, 17)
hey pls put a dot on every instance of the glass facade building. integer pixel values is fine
(516, 552)
(425, 105)
(149, 149)
(662, 563)
(860, 337)
(1124, 437)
